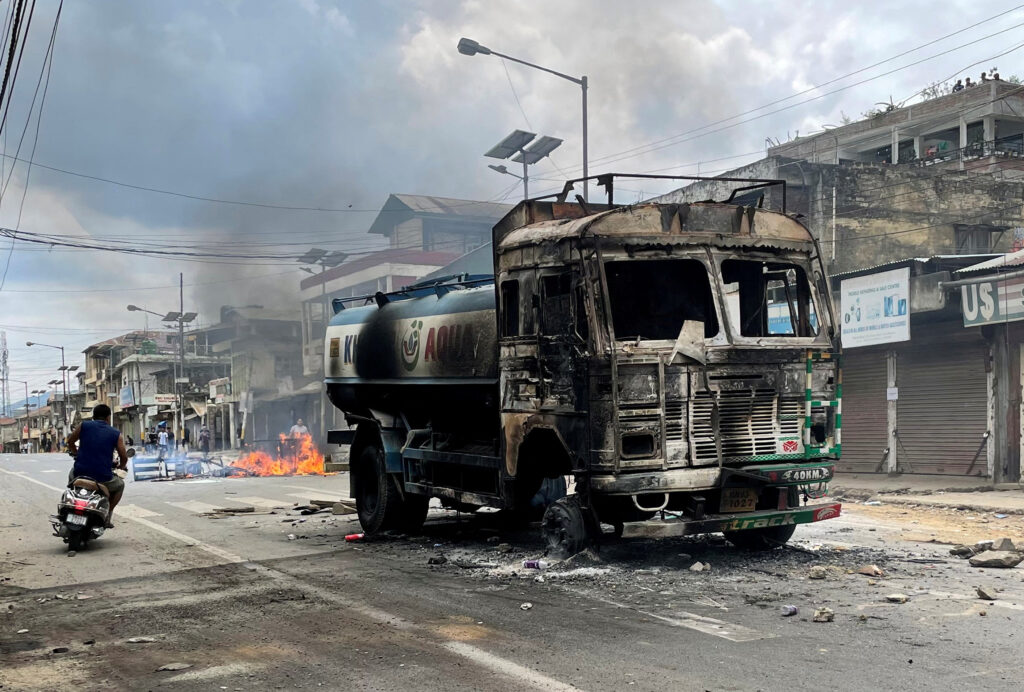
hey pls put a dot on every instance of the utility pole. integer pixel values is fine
(181, 358)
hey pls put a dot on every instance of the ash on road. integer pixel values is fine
(273, 599)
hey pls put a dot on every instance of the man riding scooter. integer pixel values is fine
(93, 444)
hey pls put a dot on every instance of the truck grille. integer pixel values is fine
(750, 423)
(674, 420)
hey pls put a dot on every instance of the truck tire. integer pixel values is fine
(378, 503)
(565, 527)
(766, 538)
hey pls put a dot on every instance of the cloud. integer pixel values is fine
(324, 103)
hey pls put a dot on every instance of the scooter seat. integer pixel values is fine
(90, 484)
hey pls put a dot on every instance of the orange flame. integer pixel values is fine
(299, 457)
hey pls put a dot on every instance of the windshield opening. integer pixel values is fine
(650, 299)
(769, 299)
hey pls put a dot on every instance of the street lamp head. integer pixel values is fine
(499, 168)
(29, 343)
(133, 308)
(468, 46)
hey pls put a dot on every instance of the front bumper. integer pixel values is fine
(711, 477)
(731, 522)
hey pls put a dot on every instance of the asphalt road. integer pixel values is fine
(267, 601)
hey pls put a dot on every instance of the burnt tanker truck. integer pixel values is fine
(677, 361)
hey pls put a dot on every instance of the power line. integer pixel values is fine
(697, 134)
(831, 81)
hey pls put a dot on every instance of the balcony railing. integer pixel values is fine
(973, 151)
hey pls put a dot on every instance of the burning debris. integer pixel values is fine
(296, 455)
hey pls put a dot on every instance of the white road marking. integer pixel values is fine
(482, 658)
(262, 502)
(212, 549)
(135, 511)
(312, 495)
(700, 623)
(507, 667)
(343, 494)
(195, 506)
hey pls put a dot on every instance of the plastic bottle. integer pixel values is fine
(789, 610)
(535, 564)
(355, 537)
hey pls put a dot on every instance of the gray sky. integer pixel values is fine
(324, 103)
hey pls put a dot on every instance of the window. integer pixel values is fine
(974, 240)
(510, 308)
(768, 299)
(651, 299)
(556, 308)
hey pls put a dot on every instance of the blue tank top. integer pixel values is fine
(96, 445)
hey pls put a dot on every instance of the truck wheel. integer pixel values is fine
(565, 527)
(760, 539)
(377, 500)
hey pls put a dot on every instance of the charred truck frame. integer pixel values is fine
(677, 361)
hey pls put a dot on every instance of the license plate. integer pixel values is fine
(738, 500)
(79, 519)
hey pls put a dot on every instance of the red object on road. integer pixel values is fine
(355, 537)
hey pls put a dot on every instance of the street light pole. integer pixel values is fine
(181, 357)
(470, 47)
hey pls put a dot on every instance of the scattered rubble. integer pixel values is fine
(174, 666)
(437, 560)
(964, 551)
(897, 598)
(871, 571)
(986, 593)
(1003, 544)
(817, 572)
(789, 610)
(699, 566)
(526, 606)
(824, 615)
(60, 650)
(141, 640)
(997, 558)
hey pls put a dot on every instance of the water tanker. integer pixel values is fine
(677, 361)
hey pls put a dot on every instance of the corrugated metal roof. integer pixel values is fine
(1010, 259)
(907, 261)
(399, 207)
(428, 204)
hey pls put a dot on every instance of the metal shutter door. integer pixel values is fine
(942, 412)
(864, 410)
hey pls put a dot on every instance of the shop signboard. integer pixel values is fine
(875, 309)
(992, 302)
(127, 397)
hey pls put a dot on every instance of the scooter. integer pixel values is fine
(83, 511)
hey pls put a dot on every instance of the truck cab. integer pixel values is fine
(676, 362)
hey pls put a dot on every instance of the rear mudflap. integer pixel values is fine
(674, 525)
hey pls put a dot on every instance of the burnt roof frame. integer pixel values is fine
(606, 180)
